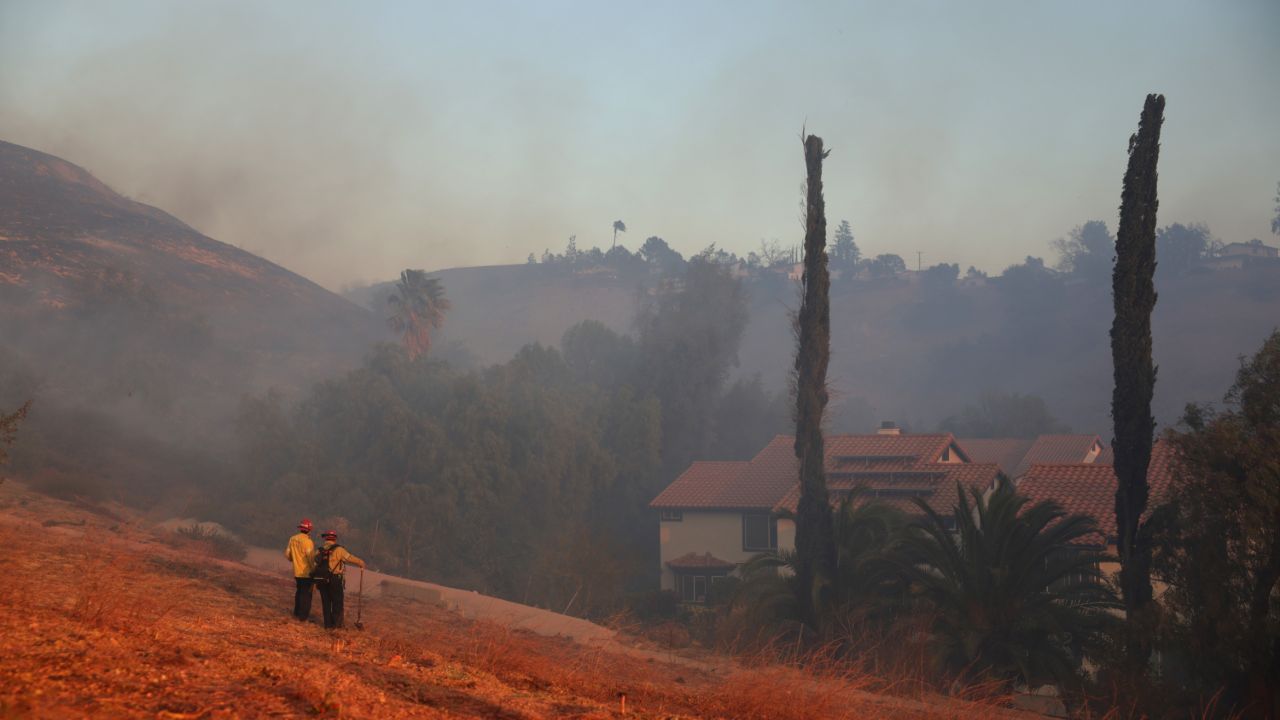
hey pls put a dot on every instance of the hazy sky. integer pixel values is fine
(348, 141)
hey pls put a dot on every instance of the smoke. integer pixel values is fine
(348, 143)
(312, 155)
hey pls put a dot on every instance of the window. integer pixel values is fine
(671, 515)
(759, 532)
(693, 589)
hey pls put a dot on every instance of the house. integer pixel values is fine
(1090, 489)
(1238, 254)
(1016, 455)
(717, 515)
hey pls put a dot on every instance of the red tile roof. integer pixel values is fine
(1106, 457)
(1005, 452)
(1054, 449)
(895, 466)
(705, 561)
(1090, 488)
(708, 484)
(935, 483)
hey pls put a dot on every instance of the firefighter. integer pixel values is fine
(301, 551)
(331, 561)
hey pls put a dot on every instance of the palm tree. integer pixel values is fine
(866, 535)
(1011, 591)
(618, 226)
(418, 306)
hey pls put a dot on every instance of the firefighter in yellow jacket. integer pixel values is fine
(331, 561)
(302, 553)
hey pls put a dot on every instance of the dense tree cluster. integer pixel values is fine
(1218, 546)
(1087, 252)
(529, 479)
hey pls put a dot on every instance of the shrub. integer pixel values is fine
(217, 544)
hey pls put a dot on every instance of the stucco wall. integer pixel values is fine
(786, 535)
(718, 532)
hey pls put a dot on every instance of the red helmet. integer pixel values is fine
(305, 525)
(330, 535)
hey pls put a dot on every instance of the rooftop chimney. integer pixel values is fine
(889, 427)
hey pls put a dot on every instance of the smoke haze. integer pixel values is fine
(349, 143)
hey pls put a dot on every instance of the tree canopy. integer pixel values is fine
(886, 265)
(844, 252)
(1012, 590)
(1087, 251)
(1219, 543)
(1182, 247)
(418, 306)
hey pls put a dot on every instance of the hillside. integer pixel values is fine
(905, 350)
(162, 629)
(113, 299)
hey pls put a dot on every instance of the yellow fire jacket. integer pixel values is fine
(340, 557)
(302, 552)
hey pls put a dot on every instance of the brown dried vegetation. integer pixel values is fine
(100, 617)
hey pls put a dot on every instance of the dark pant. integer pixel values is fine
(331, 601)
(302, 598)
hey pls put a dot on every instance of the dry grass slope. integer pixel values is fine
(102, 617)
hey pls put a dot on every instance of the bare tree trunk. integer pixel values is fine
(815, 545)
(1134, 294)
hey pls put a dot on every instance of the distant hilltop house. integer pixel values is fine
(717, 515)
(1238, 254)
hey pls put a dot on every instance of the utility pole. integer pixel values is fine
(919, 259)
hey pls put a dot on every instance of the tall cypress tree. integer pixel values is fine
(815, 544)
(1134, 293)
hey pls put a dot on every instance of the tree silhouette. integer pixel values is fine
(1011, 589)
(1219, 542)
(1275, 221)
(815, 544)
(1134, 294)
(618, 226)
(865, 532)
(418, 306)
(1087, 251)
(845, 254)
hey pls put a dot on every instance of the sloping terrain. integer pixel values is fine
(101, 616)
(89, 278)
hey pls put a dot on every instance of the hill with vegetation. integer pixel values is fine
(914, 347)
(115, 304)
